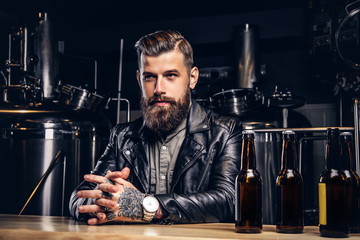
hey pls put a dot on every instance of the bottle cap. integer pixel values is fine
(288, 132)
(346, 134)
(248, 132)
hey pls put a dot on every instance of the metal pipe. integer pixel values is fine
(95, 77)
(300, 146)
(119, 84)
(21, 45)
(128, 108)
(9, 62)
(315, 129)
(246, 38)
(285, 114)
(356, 134)
(25, 55)
(63, 187)
(45, 50)
(53, 163)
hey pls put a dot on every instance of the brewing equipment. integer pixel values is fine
(347, 42)
(257, 111)
(246, 37)
(30, 139)
(50, 133)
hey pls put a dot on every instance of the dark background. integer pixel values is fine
(94, 29)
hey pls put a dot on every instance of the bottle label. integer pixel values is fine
(322, 204)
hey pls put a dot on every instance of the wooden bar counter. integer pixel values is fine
(46, 227)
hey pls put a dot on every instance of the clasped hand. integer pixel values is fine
(115, 199)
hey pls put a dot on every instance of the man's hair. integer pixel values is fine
(159, 42)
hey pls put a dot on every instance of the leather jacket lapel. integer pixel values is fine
(136, 155)
(190, 151)
(193, 146)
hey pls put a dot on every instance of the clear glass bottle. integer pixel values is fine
(248, 187)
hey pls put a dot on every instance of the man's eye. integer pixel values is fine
(149, 78)
(171, 76)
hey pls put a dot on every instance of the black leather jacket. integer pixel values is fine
(203, 184)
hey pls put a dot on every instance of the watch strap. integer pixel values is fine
(148, 216)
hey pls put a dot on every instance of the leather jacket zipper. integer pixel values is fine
(184, 169)
(212, 154)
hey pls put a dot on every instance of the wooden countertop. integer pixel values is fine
(48, 227)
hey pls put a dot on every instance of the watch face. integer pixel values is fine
(151, 204)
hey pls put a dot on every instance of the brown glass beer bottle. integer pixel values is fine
(289, 189)
(354, 180)
(333, 186)
(248, 187)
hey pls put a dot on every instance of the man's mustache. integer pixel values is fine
(154, 99)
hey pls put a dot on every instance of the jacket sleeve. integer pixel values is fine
(216, 203)
(106, 162)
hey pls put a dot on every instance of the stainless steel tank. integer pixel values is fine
(30, 137)
(246, 39)
(49, 137)
(46, 53)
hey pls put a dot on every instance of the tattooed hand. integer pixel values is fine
(116, 200)
(128, 207)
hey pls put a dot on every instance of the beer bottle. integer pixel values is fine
(289, 189)
(333, 185)
(248, 187)
(354, 180)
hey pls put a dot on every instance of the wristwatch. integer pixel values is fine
(150, 205)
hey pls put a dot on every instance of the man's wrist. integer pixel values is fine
(150, 206)
(159, 213)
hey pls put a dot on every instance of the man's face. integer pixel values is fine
(165, 84)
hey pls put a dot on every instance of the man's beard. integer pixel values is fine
(163, 120)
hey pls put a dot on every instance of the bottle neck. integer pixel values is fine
(248, 158)
(346, 153)
(333, 152)
(288, 157)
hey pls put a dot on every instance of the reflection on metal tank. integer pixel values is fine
(246, 37)
(30, 137)
(45, 52)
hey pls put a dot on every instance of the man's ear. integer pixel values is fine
(138, 78)
(194, 75)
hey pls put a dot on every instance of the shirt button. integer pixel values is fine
(163, 148)
(127, 152)
(163, 177)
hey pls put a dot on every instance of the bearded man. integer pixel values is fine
(178, 163)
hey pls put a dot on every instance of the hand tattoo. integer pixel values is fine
(110, 216)
(130, 202)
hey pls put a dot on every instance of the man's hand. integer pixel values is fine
(116, 199)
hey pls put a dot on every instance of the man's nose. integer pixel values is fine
(159, 87)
